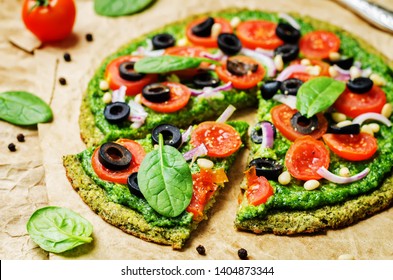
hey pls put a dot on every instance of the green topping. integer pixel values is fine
(165, 180)
(57, 229)
(115, 8)
(317, 95)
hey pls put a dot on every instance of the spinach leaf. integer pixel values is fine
(168, 63)
(115, 8)
(23, 108)
(165, 180)
(57, 229)
(317, 95)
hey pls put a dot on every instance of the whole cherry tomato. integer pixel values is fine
(49, 20)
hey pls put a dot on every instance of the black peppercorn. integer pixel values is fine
(89, 37)
(12, 147)
(62, 81)
(201, 250)
(67, 57)
(20, 137)
(242, 253)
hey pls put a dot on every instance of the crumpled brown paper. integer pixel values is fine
(369, 239)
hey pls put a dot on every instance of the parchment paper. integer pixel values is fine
(368, 239)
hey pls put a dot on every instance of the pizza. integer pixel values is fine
(155, 119)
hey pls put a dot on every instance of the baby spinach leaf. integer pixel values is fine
(23, 108)
(317, 95)
(165, 180)
(56, 229)
(115, 8)
(168, 63)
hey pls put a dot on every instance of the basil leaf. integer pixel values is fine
(317, 95)
(23, 108)
(115, 8)
(165, 180)
(57, 229)
(168, 63)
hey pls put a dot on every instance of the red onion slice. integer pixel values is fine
(267, 135)
(372, 116)
(322, 171)
(119, 95)
(269, 53)
(138, 114)
(213, 56)
(196, 152)
(209, 90)
(186, 134)
(296, 68)
(226, 114)
(262, 58)
(289, 100)
(290, 20)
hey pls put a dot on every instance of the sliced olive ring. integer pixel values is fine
(114, 156)
(156, 92)
(344, 63)
(239, 68)
(360, 85)
(287, 33)
(132, 183)
(205, 79)
(117, 112)
(257, 134)
(267, 167)
(290, 86)
(288, 52)
(126, 71)
(203, 29)
(348, 129)
(163, 41)
(269, 89)
(229, 43)
(171, 134)
(304, 125)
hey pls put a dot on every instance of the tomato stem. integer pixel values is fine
(39, 3)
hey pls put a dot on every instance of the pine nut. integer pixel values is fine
(278, 62)
(204, 163)
(104, 86)
(374, 127)
(344, 172)
(305, 62)
(367, 129)
(344, 123)
(235, 22)
(339, 117)
(333, 72)
(387, 110)
(377, 80)
(284, 178)
(334, 56)
(182, 42)
(216, 30)
(107, 98)
(354, 72)
(311, 185)
(138, 98)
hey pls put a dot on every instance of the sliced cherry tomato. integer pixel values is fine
(119, 176)
(281, 117)
(259, 188)
(179, 96)
(115, 81)
(258, 34)
(304, 77)
(354, 147)
(245, 81)
(318, 44)
(220, 139)
(355, 104)
(208, 42)
(305, 156)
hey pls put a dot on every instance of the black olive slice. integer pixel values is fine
(171, 134)
(360, 85)
(348, 129)
(114, 156)
(304, 125)
(288, 52)
(267, 167)
(239, 68)
(203, 29)
(126, 71)
(156, 92)
(344, 63)
(290, 86)
(205, 79)
(132, 183)
(229, 43)
(269, 89)
(257, 134)
(163, 41)
(287, 33)
(117, 112)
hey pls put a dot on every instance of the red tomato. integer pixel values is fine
(259, 188)
(119, 176)
(281, 118)
(115, 81)
(305, 156)
(245, 81)
(304, 77)
(179, 96)
(258, 34)
(220, 139)
(355, 104)
(49, 22)
(354, 147)
(208, 42)
(318, 44)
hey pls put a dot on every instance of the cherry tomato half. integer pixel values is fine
(305, 156)
(259, 188)
(318, 44)
(304, 77)
(258, 34)
(354, 147)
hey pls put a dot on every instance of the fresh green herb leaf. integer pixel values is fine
(57, 229)
(317, 95)
(168, 63)
(115, 8)
(165, 180)
(23, 108)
